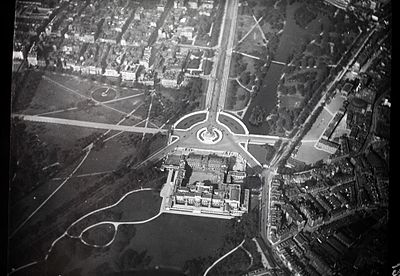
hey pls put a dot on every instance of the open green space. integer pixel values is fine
(115, 149)
(154, 243)
(127, 105)
(40, 152)
(191, 120)
(99, 235)
(237, 97)
(311, 37)
(65, 206)
(98, 114)
(203, 234)
(259, 152)
(48, 97)
(290, 101)
(234, 264)
(134, 207)
(232, 124)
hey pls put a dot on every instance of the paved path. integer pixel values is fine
(89, 148)
(280, 62)
(148, 115)
(22, 267)
(250, 257)
(251, 29)
(246, 55)
(224, 256)
(80, 123)
(115, 224)
(261, 31)
(81, 95)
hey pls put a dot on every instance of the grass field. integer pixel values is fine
(253, 43)
(234, 264)
(128, 105)
(159, 238)
(49, 97)
(135, 207)
(98, 114)
(186, 123)
(99, 235)
(156, 240)
(237, 97)
(110, 155)
(290, 101)
(233, 125)
(259, 152)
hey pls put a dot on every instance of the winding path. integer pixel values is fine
(223, 257)
(250, 257)
(115, 224)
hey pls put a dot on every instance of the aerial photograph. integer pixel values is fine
(200, 137)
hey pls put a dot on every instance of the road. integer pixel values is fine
(268, 174)
(321, 102)
(53, 120)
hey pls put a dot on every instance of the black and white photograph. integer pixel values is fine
(199, 138)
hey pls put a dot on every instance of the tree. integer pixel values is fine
(257, 116)
(245, 78)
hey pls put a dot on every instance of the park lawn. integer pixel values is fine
(187, 122)
(127, 105)
(170, 93)
(142, 124)
(108, 157)
(253, 44)
(99, 235)
(159, 238)
(259, 152)
(78, 84)
(267, 28)
(63, 136)
(232, 70)
(141, 111)
(236, 99)
(233, 125)
(234, 264)
(126, 92)
(23, 207)
(242, 98)
(243, 24)
(132, 121)
(97, 114)
(159, 142)
(290, 101)
(168, 241)
(134, 207)
(250, 64)
(139, 206)
(50, 97)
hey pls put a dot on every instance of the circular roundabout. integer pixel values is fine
(209, 135)
(104, 94)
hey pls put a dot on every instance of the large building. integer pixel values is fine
(210, 196)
